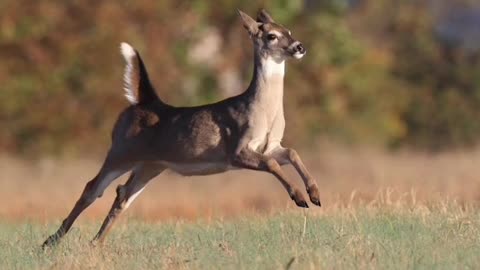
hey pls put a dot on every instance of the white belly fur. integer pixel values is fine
(199, 168)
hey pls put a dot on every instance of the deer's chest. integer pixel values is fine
(266, 120)
(264, 127)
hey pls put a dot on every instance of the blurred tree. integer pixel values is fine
(441, 79)
(379, 72)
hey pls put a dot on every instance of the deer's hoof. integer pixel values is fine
(302, 204)
(51, 241)
(299, 200)
(316, 201)
(314, 195)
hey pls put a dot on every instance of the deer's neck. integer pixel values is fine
(266, 88)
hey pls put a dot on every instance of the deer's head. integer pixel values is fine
(271, 39)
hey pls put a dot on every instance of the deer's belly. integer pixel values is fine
(198, 168)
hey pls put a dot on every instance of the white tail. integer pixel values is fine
(129, 79)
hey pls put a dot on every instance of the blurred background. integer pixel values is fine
(388, 95)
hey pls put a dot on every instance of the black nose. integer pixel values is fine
(299, 48)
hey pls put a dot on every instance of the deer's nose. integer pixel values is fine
(299, 48)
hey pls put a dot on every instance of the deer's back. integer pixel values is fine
(203, 136)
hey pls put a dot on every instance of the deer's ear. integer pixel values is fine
(250, 24)
(264, 17)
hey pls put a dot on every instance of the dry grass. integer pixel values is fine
(381, 211)
(384, 236)
(47, 189)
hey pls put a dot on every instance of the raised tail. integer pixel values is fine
(137, 86)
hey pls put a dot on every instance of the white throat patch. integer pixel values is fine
(273, 67)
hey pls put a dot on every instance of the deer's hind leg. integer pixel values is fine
(126, 194)
(111, 169)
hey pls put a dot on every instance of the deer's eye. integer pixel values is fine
(271, 37)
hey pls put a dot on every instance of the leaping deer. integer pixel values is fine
(241, 132)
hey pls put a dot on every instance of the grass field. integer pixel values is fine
(439, 236)
(380, 210)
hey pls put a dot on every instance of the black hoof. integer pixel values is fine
(51, 241)
(302, 204)
(316, 202)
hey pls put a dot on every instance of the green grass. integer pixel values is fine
(381, 238)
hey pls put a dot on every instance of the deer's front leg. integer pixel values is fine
(249, 159)
(288, 155)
